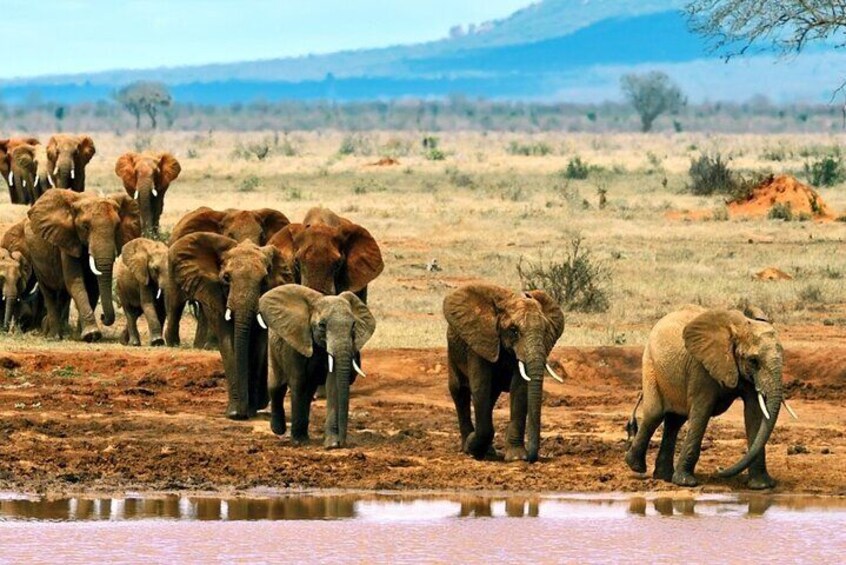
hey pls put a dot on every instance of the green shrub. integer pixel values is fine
(781, 211)
(826, 171)
(356, 144)
(249, 184)
(710, 175)
(458, 178)
(576, 169)
(538, 149)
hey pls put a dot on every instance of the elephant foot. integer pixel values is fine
(761, 482)
(684, 479)
(299, 440)
(277, 424)
(516, 453)
(134, 342)
(237, 413)
(124, 338)
(157, 341)
(332, 442)
(663, 474)
(635, 463)
(92, 334)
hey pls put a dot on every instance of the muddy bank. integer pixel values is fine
(118, 420)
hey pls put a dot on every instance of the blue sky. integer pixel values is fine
(69, 36)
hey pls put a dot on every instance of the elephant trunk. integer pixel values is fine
(101, 262)
(343, 369)
(770, 396)
(535, 370)
(146, 202)
(64, 173)
(11, 298)
(239, 395)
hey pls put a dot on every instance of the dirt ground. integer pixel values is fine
(111, 419)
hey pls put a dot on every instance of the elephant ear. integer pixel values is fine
(24, 157)
(279, 272)
(473, 312)
(129, 227)
(125, 169)
(203, 219)
(365, 323)
(169, 169)
(271, 221)
(14, 238)
(195, 262)
(52, 218)
(86, 149)
(284, 242)
(136, 257)
(363, 257)
(52, 153)
(554, 316)
(710, 338)
(287, 311)
(24, 265)
(5, 159)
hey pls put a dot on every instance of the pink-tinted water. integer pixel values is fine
(352, 528)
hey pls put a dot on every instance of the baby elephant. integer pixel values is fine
(142, 275)
(498, 341)
(696, 363)
(313, 340)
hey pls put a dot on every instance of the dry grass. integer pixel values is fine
(481, 209)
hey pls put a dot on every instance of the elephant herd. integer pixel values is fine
(285, 304)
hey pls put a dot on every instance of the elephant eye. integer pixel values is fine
(513, 332)
(226, 278)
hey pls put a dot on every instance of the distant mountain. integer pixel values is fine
(553, 49)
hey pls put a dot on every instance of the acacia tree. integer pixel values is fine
(144, 98)
(651, 94)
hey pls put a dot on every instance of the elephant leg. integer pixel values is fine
(151, 314)
(653, 414)
(481, 439)
(175, 306)
(258, 372)
(516, 434)
(759, 478)
(301, 396)
(667, 452)
(700, 414)
(132, 314)
(52, 324)
(461, 398)
(75, 283)
(276, 388)
(201, 333)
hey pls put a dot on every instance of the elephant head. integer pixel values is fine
(67, 156)
(732, 347)
(147, 260)
(18, 166)
(15, 272)
(146, 177)
(257, 226)
(227, 278)
(339, 325)
(496, 322)
(80, 225)
(330, 258)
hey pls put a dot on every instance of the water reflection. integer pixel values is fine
(394, 507)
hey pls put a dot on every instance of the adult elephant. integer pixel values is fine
(227, 278)
(146, 178)
(257, 226)
(498, 341)
(313, 341)
(330, 254)
(23, 302)
(73, 240)
(67, 157)
(19, 168)
(697, 362)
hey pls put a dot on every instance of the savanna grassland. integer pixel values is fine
(477, 204)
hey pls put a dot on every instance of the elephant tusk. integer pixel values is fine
(11, 178)
(553, 374)
(23, 183)
(790, 410)
(158, 293)
(93, 266)
(50, 181)
(357, 368)
(522, 367)
(34, 288)
(136, 195)
(73, 173)
(37, 181)
(763, 406)
(228, 315)
(260, 321)
(331, 363)
(56, 170)
(155, 193)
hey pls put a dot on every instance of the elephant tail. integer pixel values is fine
(631, 426)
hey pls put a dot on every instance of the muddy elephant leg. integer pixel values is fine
(667, 452)
(301, 395)
(133, 337)
(759, 478)
(516, 434)
(75, 283)
(653, 415)
(461, 398)
(51, 326)
(148, 305)
(700, 414)
(481, 439)
(276, 388)
(174, 305)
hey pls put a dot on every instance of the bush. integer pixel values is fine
(578, 283)
(826, 171)
(576, 169)
(458, 178)
(356, 144)
(709, 175)
(781, 211)
(538, 149)
(249, 184)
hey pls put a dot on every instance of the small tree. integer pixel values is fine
(651, 94)
(144, 98)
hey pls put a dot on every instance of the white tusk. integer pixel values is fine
(50, 180)
(34, 288)
(228, 315)
(11, 178)
(553, 374)
(73, 173)
(158, 293)
(790, 410)
(331, 363)
(522, 367)
(37, 180)
(23, 183)
(357, 368)
(260, 321)
(56, 170)
(136, 195)
(155, 193)
(93, 266)
(763, 406)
